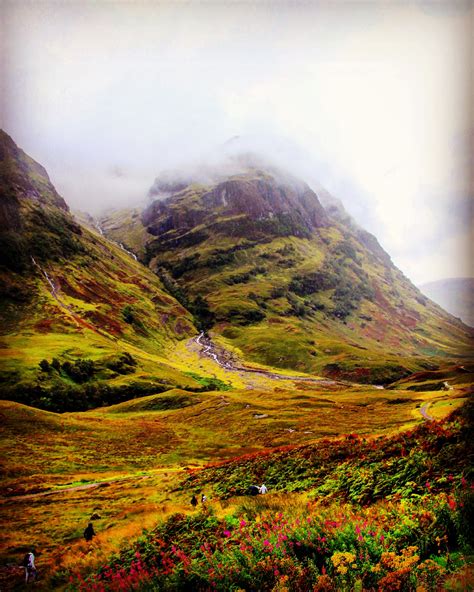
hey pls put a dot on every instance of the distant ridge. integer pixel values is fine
(454, 295)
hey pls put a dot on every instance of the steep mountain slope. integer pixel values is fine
(70, 295)
(287, 282)
(456, 295)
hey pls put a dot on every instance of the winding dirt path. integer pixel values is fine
(49, 492)
(424, 411)
(85, 486)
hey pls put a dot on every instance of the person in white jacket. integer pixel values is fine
(262, 489)
(30, 568)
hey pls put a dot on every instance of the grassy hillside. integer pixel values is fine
(130, 462)
(181, 426)
(260, 263)
(81, 322)
(119, 409)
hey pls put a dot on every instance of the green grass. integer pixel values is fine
(390, 328)
(142, 447)
(393, 506)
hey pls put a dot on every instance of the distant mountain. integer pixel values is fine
(244, 251)
(67, 293)
(456, 295)
(254, 254)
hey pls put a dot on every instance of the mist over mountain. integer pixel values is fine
(456, 295)
(250, 248)
(243, 249)
(214, 221)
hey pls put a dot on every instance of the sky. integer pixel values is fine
(371, 100)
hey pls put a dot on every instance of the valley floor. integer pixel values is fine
(126, 462)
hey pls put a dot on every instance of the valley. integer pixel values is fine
(229, 333)
(127, 462)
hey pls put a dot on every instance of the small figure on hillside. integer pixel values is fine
(203, 499)
(254, 490)
(89, 532)
(30, 568)
(262, 489)
(194, 501)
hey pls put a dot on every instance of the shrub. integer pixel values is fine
(307, 284)
(56, 364)
(278, 292)
(44, 365)
(80, 371)
(125, 364)
(128, 314)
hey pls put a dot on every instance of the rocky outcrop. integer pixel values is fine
(255, 196)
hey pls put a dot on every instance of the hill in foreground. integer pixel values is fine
(372, 515)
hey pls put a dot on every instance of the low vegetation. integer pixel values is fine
(116, 411)
(366, 521)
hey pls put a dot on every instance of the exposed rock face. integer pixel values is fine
(256, 196)
(263, 198)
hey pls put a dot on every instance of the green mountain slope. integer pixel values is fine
(70, 295)
(287, 282)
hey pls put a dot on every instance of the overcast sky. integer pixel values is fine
(373, 100)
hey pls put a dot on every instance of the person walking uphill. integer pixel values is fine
(194, 501)
(30, 568)
(89, 532)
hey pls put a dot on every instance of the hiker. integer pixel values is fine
(194, 501)
(30, 568)
(254, 490)
(203, 499)
(262, 489)
(89, 533)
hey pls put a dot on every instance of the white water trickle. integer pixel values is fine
(127, 251)
(101, 232)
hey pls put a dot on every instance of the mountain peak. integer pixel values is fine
(252, 204)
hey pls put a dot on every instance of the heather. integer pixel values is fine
(354, 468)
(413, 536)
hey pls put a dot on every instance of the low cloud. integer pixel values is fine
(371, 100)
